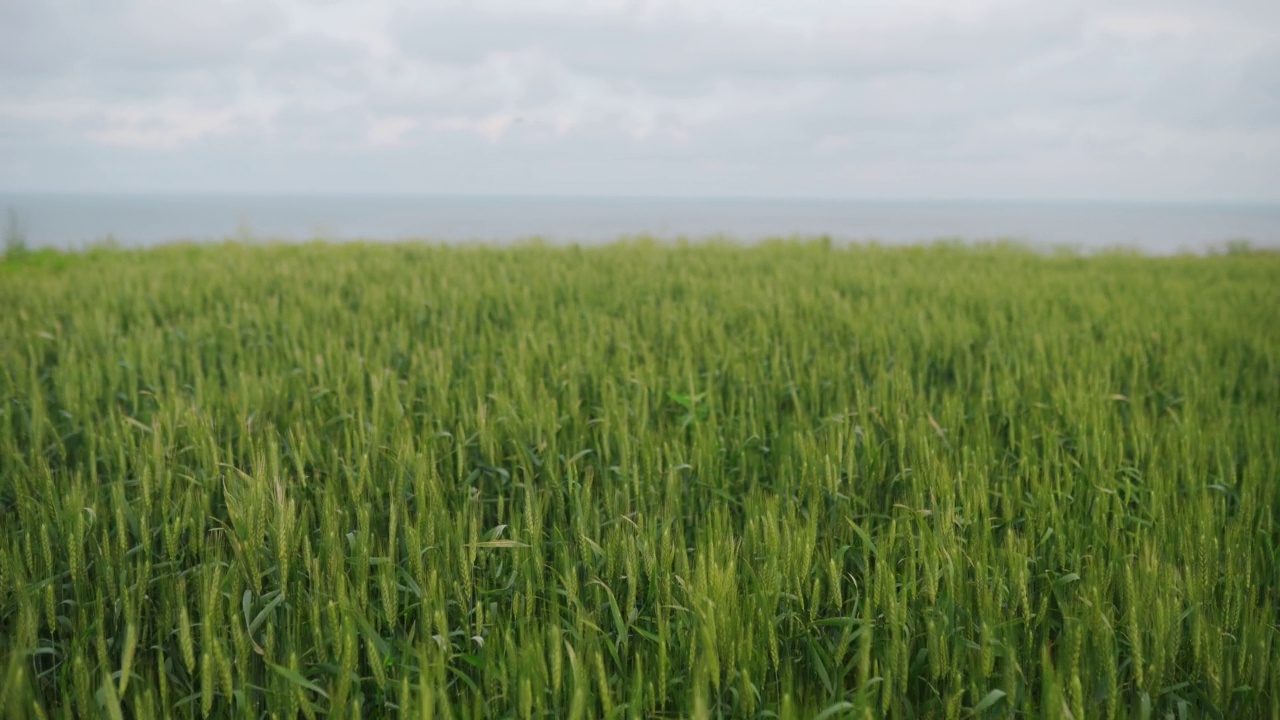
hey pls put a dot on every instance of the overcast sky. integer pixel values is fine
(1112, 99)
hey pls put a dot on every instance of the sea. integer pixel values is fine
(78, 221)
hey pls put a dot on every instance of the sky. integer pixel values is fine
(913, 99)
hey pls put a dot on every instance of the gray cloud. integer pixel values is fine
(136, 35)
(675, 47)
(992, 97)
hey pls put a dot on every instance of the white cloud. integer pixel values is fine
(928, 97)
(1144, 26)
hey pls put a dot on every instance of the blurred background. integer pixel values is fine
(1092, 124)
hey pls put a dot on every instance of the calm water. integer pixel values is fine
(72, 221)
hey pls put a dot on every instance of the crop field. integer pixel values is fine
(642, 480)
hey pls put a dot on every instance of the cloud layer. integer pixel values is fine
(926, 98)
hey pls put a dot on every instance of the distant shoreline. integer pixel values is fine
(138, 220)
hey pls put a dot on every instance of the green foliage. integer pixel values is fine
(789, 480)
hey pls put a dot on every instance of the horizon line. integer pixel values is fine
(895, 199)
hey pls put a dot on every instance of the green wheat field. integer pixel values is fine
(643, 480)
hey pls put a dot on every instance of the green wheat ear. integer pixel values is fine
(789, 480)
